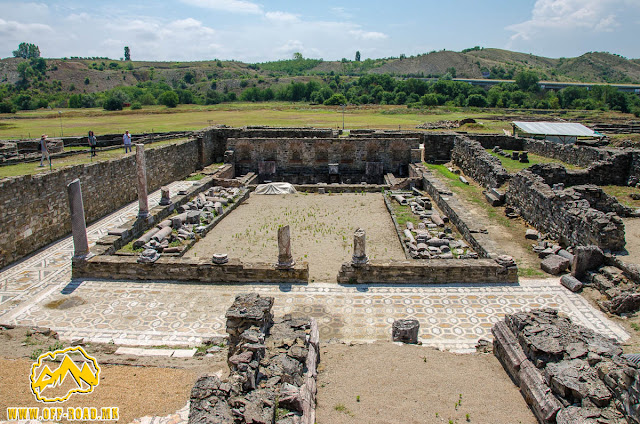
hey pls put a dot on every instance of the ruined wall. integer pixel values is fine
(478, 164)
(437, 147)
(570, 153)
(564, 214)
(307, 160)
(35, 210)
(613, 171)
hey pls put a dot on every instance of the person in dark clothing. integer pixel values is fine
(92, 142)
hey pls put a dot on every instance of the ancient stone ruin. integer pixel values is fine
(273, 365)
(567, 373)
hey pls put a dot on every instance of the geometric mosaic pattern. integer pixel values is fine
(38, 291)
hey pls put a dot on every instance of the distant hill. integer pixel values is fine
(95, 75)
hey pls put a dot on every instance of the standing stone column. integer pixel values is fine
(165, 196)
(359, 248)
(141, 171)
(78, 225)
(285, 259)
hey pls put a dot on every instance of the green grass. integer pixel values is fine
(622, 194)
(473, 194)
(79, 159)
(128, 248)
(195, 177)
(403, 215)
(513, 166)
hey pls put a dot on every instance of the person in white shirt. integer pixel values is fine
(126, 138)
(44, 149)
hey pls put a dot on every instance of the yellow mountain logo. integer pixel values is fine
(56, 384)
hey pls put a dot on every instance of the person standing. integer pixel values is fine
(126, 138)
(44, 149)
(93, 143)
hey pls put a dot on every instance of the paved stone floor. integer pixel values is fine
(39, 291)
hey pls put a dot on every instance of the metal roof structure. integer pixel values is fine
(561, 129)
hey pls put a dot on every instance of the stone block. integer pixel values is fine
(405, 331)
(554, 264)
(538, 395)
(586, 258)
(571, 283)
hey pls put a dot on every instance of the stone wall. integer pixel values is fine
(564, 214)
(583, 156)
(431, 271)
(567, 373)
(463, 220)
(478, 164)
(188, 269)
(309, 160)
(35, 210)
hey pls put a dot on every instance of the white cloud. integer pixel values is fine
(235, 6)
(367, 35)
(568, 15)
(282, 17)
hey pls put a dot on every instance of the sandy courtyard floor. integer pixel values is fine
(322, 227)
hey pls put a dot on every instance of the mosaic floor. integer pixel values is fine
(39, 291)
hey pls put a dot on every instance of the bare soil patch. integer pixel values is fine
(388, 383)
(322, 227)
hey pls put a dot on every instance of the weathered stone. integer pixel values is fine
(628, 301)
(285, 258)
(193, 217)
(405, 331)
(537, 394)
(141, 173)
(532, 234)
(586, 258)
(165, 196)
(571, 283)
(78, 224)
(359, 248)
(145, 238)
(505, 261)
(220, 258)
(565, 254)
(148, 256)
(554, 264)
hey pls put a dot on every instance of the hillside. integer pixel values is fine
(97, 75)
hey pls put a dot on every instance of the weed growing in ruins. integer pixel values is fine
(635, 326)
(341, 408)
(195, 177)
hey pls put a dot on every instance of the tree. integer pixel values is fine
(528, 81)
(169, 99)
(27, 51)
(297, 56)
(335, 100)
(127, 53)
(25, 71)
(358, 56)
(477, 100)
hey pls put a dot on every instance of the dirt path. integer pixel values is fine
(322, 227)
(386, 383)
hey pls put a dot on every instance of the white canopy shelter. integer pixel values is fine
(564, 132)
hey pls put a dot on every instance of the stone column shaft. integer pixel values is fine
(141, 173)
(285, 259)
(359, 248)
(78, 225)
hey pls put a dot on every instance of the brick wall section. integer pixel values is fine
(478, 164)
(564, 215)
(34, 208)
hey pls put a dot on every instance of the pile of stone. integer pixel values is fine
(445, 124)
(555, 259)
(522, 156)
(273, 369)
(433, 237)
(619, 283)
(192, 218)
(567, 373)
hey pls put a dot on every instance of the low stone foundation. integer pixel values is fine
(188, 269)
(432, 271)
(567, 373)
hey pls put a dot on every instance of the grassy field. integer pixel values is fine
(57, 163)
(512, 166)
(77, 122)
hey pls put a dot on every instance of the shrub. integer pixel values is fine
(148, 99)
(169, 99)
(6, 107)
(112, 103)
(87, 81)
(336, 99)
(477, 100)
(136, 106)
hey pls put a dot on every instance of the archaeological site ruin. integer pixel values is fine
(363, 238)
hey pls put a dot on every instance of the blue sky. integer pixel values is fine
(254, 31)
